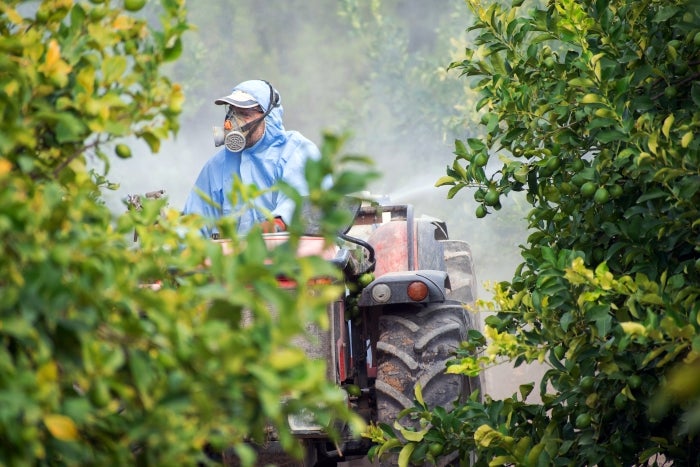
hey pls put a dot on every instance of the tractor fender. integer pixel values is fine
(393, 287)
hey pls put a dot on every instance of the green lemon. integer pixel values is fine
(491, 197)
(481, 159)
(588, 189)
(601, 196)
(123, 151)
(566, 188)
(620, 401)
(99, 394)
(480, 211)
(670, 92)
(635, 381)
(583, 421)
(577, 165)
(97, 13)
(586, 384)
(578, 179)
(552, 194)
(365, 279)
(134, 5)
(174, 52)
(553, 163)
(435, 449)
(615, 191)
(353, 390)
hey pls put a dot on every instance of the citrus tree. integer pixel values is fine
(591, 109)
(116, 352)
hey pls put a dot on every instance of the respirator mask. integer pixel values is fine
(235, 131)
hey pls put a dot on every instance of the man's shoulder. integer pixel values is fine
(217, 158)
(301, 143)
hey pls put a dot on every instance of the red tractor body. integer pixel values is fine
(394, 332)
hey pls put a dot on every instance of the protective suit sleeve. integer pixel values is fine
(293, 174)
(196, 204)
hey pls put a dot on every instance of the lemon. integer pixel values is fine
(578, 179)
(601, 196)
(615, 191)
(583, 421)
(174, 52)
(491, 197)
(480, 211)
(123, 151)
(99, 394)
(134, 5)
(620, 401)
(635, 381)
(586, 384)
(577, 165)
(588, 189)
(435, 449)
(481, 160)
(365, 279)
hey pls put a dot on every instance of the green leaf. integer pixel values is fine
(416, 436)
(582, 82)
(454, 190)
(476, 145)
(611, 135)
(525, 390)
(591, 99)
(405, 454)
(460, 149)
(695, 93)
(666, 128)
(388, 446)
(418, 392)
(69, 128)
(665, 13)
(445, 180)
(566, 320)
(113, 67)
(686, 139)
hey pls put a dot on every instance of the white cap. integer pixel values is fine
(240, 99)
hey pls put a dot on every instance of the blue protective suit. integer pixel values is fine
(280, 154)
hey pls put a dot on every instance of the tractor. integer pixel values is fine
(404, 313)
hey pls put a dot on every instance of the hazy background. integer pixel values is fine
(375, 68)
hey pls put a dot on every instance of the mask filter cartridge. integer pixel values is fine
(235, 141)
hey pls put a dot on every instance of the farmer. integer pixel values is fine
(257, 150)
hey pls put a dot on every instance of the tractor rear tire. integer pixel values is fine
(415, 342)
(459, 265)
(460, 269)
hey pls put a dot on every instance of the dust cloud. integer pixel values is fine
(385, 81)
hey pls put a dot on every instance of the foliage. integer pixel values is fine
(115, 352)
(87, 74)
(591, 107)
